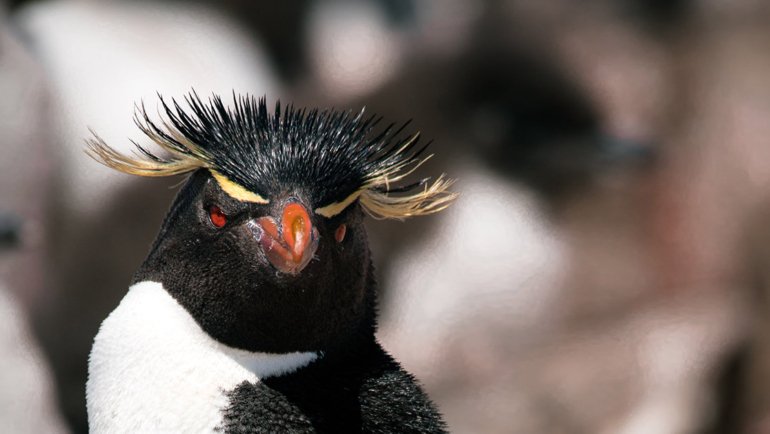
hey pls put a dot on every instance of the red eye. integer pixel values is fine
(218, 218)
(339, 234)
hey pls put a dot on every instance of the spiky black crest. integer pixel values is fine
(333, 157)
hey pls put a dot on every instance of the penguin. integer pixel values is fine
(256, 307)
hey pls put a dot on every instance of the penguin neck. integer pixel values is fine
(363, 335)
(272, 330)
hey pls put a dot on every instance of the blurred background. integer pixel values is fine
(606, 269)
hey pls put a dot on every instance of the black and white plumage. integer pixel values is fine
(255, 310)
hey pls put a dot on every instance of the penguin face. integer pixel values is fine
(264, 245)
(245, 273)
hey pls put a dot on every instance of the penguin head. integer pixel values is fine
(265, 245)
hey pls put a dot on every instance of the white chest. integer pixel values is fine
(153, 369)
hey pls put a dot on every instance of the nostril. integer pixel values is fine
(269, 226)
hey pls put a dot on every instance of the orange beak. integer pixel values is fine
(290, 246)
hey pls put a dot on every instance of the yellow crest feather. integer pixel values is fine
(179, 136)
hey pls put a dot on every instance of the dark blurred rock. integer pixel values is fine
(281, 27)
(10, 231)
(513, 107)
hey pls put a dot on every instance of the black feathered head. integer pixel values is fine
(264, 244)
(335, 157)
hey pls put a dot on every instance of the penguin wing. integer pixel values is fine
(393, 402)
(256, 408)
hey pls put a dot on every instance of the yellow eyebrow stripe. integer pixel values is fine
(337, 207)
(236, 191)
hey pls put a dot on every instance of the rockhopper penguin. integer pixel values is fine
(255, 310)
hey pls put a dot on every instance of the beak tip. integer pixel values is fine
(294, 247)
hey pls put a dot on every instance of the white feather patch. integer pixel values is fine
(153, 369)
